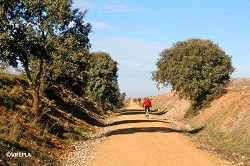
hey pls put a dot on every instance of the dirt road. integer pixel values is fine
(135, 141)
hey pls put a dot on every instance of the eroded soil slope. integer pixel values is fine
(226, 121)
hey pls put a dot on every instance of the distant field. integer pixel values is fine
(236, 83)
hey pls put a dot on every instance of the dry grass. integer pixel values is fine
(171, 104)
(17, 136)
(227, 124)
(226, 121)
(47, 136)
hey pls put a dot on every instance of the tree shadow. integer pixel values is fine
(135, 130)
(81, 113)
(77, 112)
(132, 112)
(158, 113)
(195, 131)
(142, 130)
(134, 121)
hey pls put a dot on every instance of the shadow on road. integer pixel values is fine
(142, 130)
(150, 130)
(132, 112)
(134, 121)
(145, 129)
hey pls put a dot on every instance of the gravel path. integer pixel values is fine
(135, 140)
(85, 150)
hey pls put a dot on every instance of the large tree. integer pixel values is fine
(195, 68)
(32, 32)
(102, 82)
(67, 72)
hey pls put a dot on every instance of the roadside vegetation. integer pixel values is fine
(60, 90)
(61, 122)
(196, 69)
(225, 122)
(204, 96)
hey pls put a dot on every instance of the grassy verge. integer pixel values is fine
(230, 146)
(27, 139)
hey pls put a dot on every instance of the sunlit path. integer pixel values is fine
(135, 140)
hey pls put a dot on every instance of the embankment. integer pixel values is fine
(225, 122)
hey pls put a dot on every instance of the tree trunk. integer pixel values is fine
(36, 102)
(34, 84)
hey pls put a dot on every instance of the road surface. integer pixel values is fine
(137, 141)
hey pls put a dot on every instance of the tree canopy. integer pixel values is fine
(195, 68)
(102, 82)
(33, 33)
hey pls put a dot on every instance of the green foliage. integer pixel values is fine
(70, 60)
(121, 100)
(195, 68)
(68, 72)
(102, 83)
(62, 122)
(34, 33)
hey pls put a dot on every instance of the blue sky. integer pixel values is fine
(134, 32)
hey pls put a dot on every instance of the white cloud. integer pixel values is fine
(108, 6)
(132, 54)
(117, 7)
(130, 44)
(83, 4)
(103, 25)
